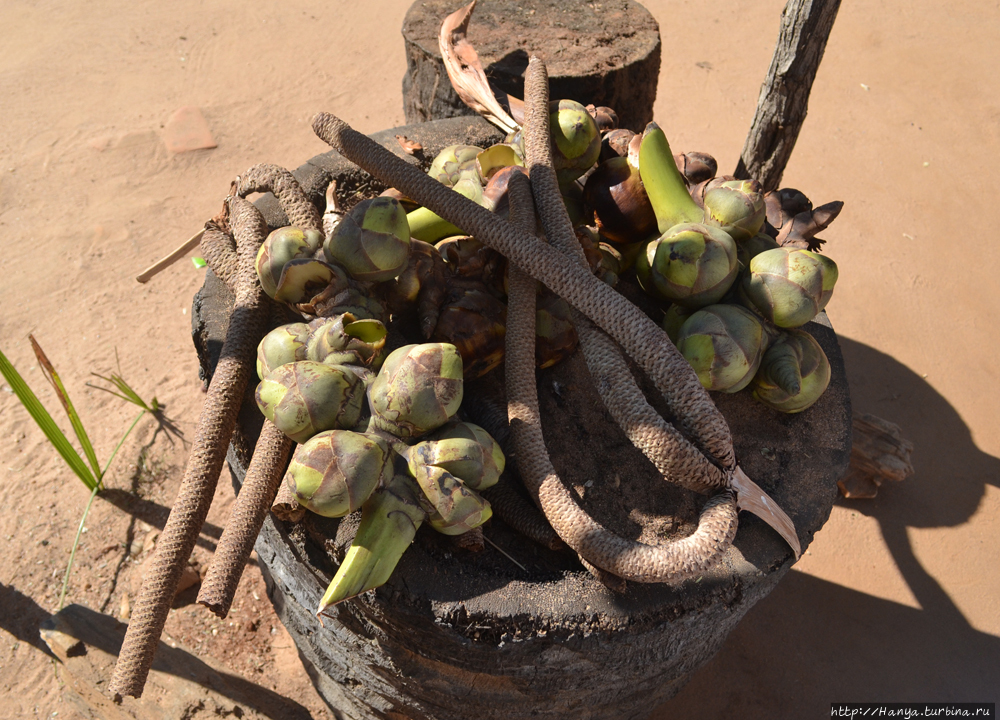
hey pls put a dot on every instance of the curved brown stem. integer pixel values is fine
(293, 200)
(215, 428)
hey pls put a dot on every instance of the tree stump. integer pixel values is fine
(602, 53)
(456, 634)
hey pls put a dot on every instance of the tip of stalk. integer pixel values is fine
(650, 127)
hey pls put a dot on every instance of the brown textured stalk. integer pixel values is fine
(219, 251)
(642, 339)
(597, 545)
(675, 458)
(215, 428)
(286, 506)
(274, 179)
(267, 467)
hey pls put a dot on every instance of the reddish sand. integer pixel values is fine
(896, 598)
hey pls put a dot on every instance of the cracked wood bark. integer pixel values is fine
(784, 97)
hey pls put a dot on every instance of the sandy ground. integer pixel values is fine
(896, 598)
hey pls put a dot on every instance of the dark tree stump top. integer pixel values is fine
(606, 53)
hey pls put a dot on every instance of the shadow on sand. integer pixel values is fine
(813, 642)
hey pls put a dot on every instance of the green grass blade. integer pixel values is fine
(46, 423)
(122, 441)
(76, 544)
(74, 418)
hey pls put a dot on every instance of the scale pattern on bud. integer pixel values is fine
(576, 141)
(465, 450)
(790, 286)
(691, 264)
(281, 247)
(453, 163)
(724, 345)
(736, 206)
(306, 397)
(793, 374)
(345, 340)
(282, 345)
(372, 241)
(418, 389)
(452, 507)
(335, 471)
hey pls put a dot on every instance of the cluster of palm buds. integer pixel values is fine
(736, 272)
(734, 269)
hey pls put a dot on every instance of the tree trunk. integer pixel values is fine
(784, 97)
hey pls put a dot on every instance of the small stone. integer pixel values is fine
(187, 130)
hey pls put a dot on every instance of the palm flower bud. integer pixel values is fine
(280, 247)
(303, 279)
(675, 316)
(724, 344)
(418, 389)
(372, 241)
(306, 397)
(475, 322)
(793, 374)
(691, 264)
(452, 508)
(615, 193)
(612, 264)
(790, 286)
(464, 255)
(615, 143)
(335, 471)
(516, 140)
(555, 336)
(747, 250)
(409, 205)
(736, 206)
(454, 163)
(428, 226)
(576, 141)
(350, 300)
(493, 159)
(465, 450)
(696, 167)
(389, 521)
(345, 340)
(282, 345)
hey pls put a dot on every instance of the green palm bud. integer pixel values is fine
(747, 250)
(495, 158)
(345, 340)
(452, 507)
(736, 206)
(335, 471)
(691, 264)
(306, 397)
(793, 374)
(352, 301)
(576, 141)
(302, 279)
(428, 226)
(389, 521)
(675, 316)
(418, 389)
(372, 241)
(724, 345)
(282, 345)
(454, 163)
(790, 286)
(465, 450)
(280, 247)
(664, 185)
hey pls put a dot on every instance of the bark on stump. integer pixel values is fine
(456, 634)
(605, 54)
